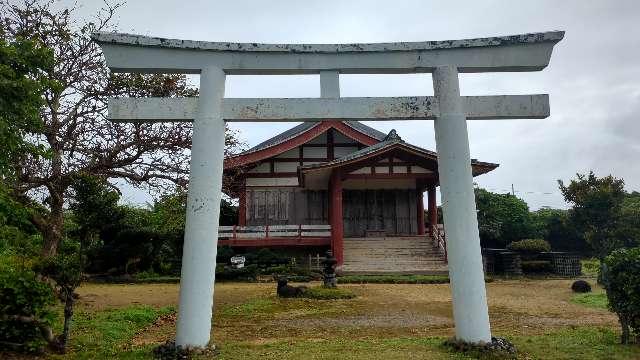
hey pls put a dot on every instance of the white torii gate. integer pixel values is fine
(214, 60)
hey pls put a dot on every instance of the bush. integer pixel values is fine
(530, 246)
(581, 286)
(247, 273)
(536, 266)
(290, 271)
(326, 293)
(24, 309)
(621, 276)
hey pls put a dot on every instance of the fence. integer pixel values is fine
(274, 231)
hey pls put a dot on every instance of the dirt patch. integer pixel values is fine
(160, 331)
(401, 320)
(102, 296)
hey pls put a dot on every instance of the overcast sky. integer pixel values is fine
(593, 79)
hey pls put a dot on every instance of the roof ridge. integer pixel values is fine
(308, 125)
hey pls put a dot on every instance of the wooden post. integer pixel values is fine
(242, 205)
(420, 207)
(336, 217)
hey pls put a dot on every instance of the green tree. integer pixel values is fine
(75, 132)
(596, 212)
(622, 282)
(628, 230)
(502, 218)
(555, 226)
(23, 82)
(94, 204)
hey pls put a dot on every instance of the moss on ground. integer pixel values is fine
(325, 293)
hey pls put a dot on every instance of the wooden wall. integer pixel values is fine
(394, 211)
(286, 206)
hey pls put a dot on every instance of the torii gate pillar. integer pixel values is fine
(203, 213)
(470, 312)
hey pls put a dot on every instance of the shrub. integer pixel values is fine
(25, 313)
(581, 286)
(247, 273)
(530, 246)
(326, 293)
(224, 254)
(590, 267)
(290, 271)
(621, 275)
(536, 266)
(266, 257)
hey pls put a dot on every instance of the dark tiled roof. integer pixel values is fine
(296, 130)
(389, 140)
(368, 130)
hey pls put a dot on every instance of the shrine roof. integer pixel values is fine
(297, 130)
(393, 141)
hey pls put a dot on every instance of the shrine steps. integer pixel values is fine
(393, 255)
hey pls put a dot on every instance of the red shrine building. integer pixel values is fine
(343, 186)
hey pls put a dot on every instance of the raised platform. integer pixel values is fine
(393, 255)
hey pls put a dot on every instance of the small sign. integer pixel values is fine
(237, 262)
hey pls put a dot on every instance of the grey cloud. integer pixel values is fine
(593, 77)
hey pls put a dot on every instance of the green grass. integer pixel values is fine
(590, 267)
(346, 349)
(251, 307)
(325, 293)
(106, 334)
(393, 279)
(592, 300)
(579, 343)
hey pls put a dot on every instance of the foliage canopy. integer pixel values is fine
(623, 289)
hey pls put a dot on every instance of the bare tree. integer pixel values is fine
(77, 135)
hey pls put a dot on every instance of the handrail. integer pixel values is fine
(439, 239)
(299, 231)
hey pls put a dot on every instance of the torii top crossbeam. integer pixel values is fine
(449, 110)
(527, 52)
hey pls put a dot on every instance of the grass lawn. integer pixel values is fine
(385, 321)
(596, 300)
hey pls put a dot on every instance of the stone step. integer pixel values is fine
(394, 268)
(408, 255)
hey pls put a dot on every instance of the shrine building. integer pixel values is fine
(344, 186)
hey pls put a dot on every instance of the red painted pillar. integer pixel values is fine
(242, 206)
(420, 211)
(433, 207)
(337, 229)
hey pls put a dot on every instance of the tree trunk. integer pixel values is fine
(68, 314)
(52, 233)
(624, 323)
